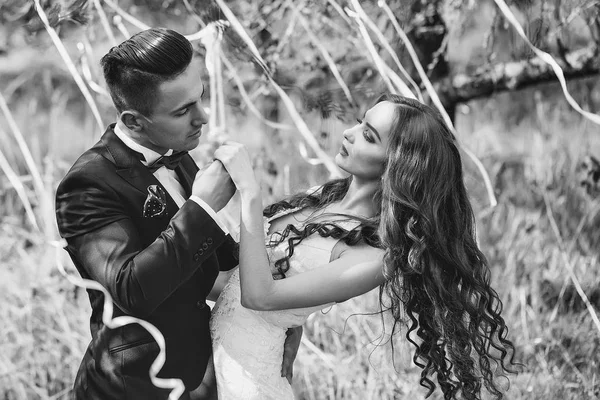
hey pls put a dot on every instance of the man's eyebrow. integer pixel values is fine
(374, 130)
(186, 105)
(191, 103)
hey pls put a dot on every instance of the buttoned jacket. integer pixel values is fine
(158, 268)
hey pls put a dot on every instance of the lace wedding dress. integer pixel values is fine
(248, 344)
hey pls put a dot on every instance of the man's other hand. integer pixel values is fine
(290, 350)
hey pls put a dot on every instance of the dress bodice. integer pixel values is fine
(312, 252)
(248, 344)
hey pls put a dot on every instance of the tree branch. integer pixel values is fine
(515, 75)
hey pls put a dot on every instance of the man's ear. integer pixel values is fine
(133, 120)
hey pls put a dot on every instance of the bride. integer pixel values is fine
(402, 221)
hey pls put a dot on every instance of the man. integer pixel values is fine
(139, 219)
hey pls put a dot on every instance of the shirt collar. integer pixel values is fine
(150, 156)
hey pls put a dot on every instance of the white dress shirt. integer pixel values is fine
(167, 177)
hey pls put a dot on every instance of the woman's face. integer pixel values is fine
(363, 151)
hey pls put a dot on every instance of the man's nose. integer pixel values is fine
(200, 117)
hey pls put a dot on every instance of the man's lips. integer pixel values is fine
(196, 133)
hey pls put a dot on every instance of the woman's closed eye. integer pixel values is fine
(366, 132)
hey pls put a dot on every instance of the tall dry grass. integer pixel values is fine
(347, 355)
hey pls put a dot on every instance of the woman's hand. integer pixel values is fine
(236, 160)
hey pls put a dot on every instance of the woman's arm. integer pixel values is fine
(358, 270)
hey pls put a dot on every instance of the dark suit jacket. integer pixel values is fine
(159, 269)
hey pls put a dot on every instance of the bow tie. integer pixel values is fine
(171, 162)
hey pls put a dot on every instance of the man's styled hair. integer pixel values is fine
(134, 69)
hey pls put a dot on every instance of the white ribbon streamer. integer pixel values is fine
(15, 181)
(87, 73)
(127, 17)
(69, 63)
(288, 103)
(379, 63)
(175, 384)
(361, 14)
(247, 100)
(304, 153)
(548, 59)
(104, 22)
(139, 24)
(118, 21)
(437, 102)
(36, 176)
(210, 42)
(330, 62)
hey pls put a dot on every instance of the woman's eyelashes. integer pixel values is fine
(366, 132)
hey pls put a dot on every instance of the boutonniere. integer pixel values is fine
(156, 202)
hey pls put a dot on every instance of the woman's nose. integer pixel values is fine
(348, 135)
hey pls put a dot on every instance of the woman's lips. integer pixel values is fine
(343, 150)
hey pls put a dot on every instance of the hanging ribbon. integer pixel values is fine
(548, 59)
(176, 385)
(437, 102)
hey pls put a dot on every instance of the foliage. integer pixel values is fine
(59, 13)
(44, 328)
(44, 320)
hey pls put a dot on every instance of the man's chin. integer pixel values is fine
(192, 143)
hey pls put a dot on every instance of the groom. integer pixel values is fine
(141, 220)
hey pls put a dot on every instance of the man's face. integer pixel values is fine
(177, 119)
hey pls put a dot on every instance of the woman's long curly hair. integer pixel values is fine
(437, 279)
(331, 192)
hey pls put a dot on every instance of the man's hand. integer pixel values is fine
(290, 350)
(219, 284)
(208, 388)
(214, 186)
(236, 160)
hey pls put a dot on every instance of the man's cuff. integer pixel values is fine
(210, 212)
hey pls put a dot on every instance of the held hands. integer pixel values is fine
(236, 160)
(214, 186)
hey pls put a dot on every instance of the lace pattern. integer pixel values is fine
(248, 344)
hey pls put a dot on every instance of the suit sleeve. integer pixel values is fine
(228, 254)
(104, 241)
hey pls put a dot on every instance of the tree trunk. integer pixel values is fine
(490, 79)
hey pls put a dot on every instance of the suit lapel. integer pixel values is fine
(130, 168)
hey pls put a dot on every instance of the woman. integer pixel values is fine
(401, 221)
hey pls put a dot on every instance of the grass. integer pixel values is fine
(44, 319)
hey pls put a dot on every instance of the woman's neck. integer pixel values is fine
(358, 200)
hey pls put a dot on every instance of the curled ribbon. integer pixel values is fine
(108, 320)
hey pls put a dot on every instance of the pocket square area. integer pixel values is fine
(156, 202)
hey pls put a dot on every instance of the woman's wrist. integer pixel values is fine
(250, 194)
